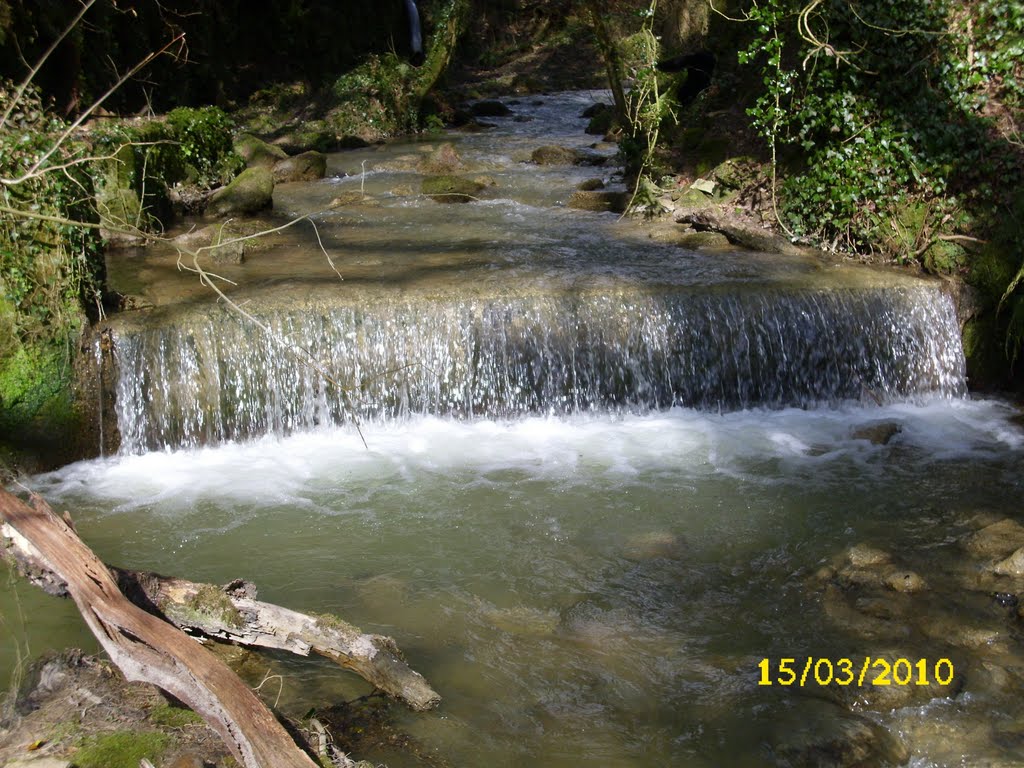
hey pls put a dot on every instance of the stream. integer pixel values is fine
(604, 478)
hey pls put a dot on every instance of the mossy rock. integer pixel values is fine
(692, 198)
(736, 172)
(309, 166)
(599, 201)
(602, 123)
(944, 257)
(710, 153)
(450, 189)
(702, 240)
(41, 423)
(251, 192)
(444, 160)
(554, 155)
(258, 153)
(590, 185)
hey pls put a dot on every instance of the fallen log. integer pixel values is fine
(232, 614)
(147, 649)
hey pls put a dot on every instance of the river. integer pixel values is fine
(607, 485)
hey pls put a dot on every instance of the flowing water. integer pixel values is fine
(604, 477)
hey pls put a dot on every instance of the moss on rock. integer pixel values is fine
(250, 193)
(257, 153)
(450, 189)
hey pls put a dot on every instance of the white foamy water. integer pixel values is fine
(566, 449)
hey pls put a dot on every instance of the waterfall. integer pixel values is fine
(210, 376)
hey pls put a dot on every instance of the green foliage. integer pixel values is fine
(875, 103)
(121, 749)
(204, 144)
(48, 266)
(893, 123)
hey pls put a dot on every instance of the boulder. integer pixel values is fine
(1012, 565)
(490, 108)
(599, 200)
(258, 153)
(996, 541)
(450, 189)
(443, 160)
(251, 192)
(206, 237)
(817, 733)
(590, 185)
(700, 240)
(309, 166)
(554, 155)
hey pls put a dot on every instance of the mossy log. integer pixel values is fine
(144, 647)
(233, 614)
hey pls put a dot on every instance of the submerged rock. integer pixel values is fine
(817, 734)
(996, 541)
(251, 192)
(216, 239)
(878, 433)
(450, 189)
(654, 544)
(590, 185)
(1012, 565)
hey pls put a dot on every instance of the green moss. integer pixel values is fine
(173, 717)
(208, 604)
(121, 749)
(330, 621)
(35, 393)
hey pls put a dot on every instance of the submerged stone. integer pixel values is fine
(450, 189)
(996, 540)
(879, 433)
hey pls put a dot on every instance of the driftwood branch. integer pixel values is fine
(150, 650)
(233, 614)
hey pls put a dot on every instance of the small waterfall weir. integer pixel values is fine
(212, 376)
